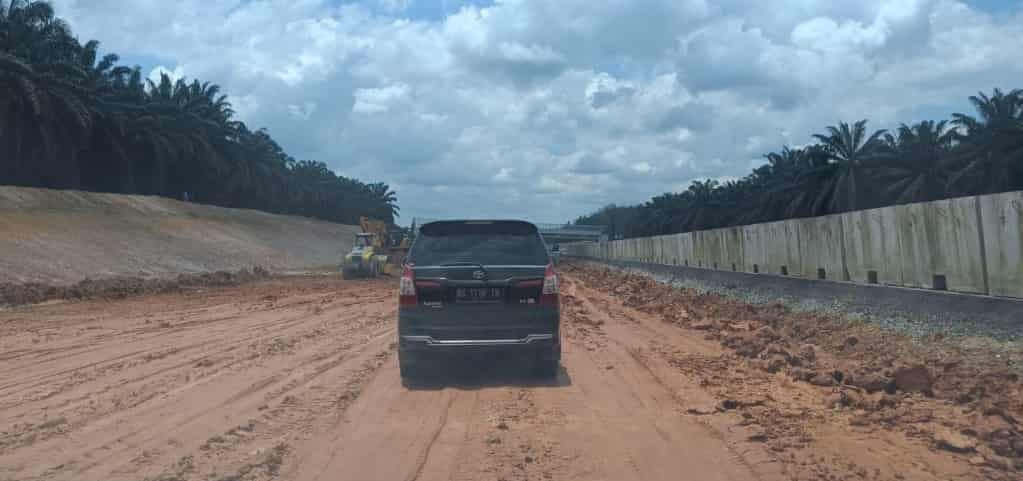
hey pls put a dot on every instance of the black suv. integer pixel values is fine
(478, 288)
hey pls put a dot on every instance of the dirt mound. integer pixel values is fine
(121, 287)
(63, 237)
(960, 394)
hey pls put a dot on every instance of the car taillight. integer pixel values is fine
(407, 287)
(549, 293)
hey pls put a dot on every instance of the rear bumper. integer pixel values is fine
(535, 346)
(429, 341)
(500, 331)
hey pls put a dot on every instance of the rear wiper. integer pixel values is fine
(473, 264)
(469, 264)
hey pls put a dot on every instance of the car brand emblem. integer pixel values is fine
(479, 275)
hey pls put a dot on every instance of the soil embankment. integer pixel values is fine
(63, 237)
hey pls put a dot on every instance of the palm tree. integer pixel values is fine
(990, 155)
(852, 155)
(662, 213)
(70, 117)
(795, 182)
(46, 111)
(916, 171)
(383, 195)
(702, 212)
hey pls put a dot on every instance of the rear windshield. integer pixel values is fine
(496, 243)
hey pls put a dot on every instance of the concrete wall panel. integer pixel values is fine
(754, 252)
(872, 244)
(914, 247)
(820, 248)
(781, 244)
(941, 238)
(699, 249)
(956, 245)
(1002, 219)
(707, 249)
(720, 260)
(686, 242)
(733, 249)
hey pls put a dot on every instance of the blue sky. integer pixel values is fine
(549, 110)
(995, 6)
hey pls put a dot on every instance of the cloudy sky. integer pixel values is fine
(550, 109)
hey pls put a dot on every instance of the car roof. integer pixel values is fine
(478, 221)
(473, 221)
(441, 224)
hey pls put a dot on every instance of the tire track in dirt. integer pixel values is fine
(219, 393)
(227, 336)
(493, 422)
(182, 328)
(425, 455)
(131, 382)
(636, 342)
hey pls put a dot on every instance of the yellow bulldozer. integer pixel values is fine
(378, 250)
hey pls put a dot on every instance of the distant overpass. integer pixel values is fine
(555, 233)
(558, 233)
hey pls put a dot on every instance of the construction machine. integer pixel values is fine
(377, 250)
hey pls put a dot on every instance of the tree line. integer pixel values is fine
(848, 168)
(70, 119)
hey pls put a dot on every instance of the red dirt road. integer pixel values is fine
(295, 378)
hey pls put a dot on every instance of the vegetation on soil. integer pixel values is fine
(848, 169)
(72, 120)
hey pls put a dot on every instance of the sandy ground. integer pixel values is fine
(62, 236)
(296, 378)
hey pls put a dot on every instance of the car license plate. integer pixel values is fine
(479, 294)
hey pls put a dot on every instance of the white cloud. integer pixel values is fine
(826, 35)
(642, 167)
(604, 89)
(550, 109)
(159, 71)
(376, 100)
(304, 111)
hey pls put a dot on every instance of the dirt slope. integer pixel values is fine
(60, 237)
(296, 379)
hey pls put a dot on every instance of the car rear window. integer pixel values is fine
(488, 243)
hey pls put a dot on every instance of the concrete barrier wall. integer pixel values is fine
(872, 246)
(1001, 216)
(820, 248)
(781, 243)
(970, 244)
(941, 238)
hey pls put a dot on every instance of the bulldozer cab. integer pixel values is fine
(364, 240)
